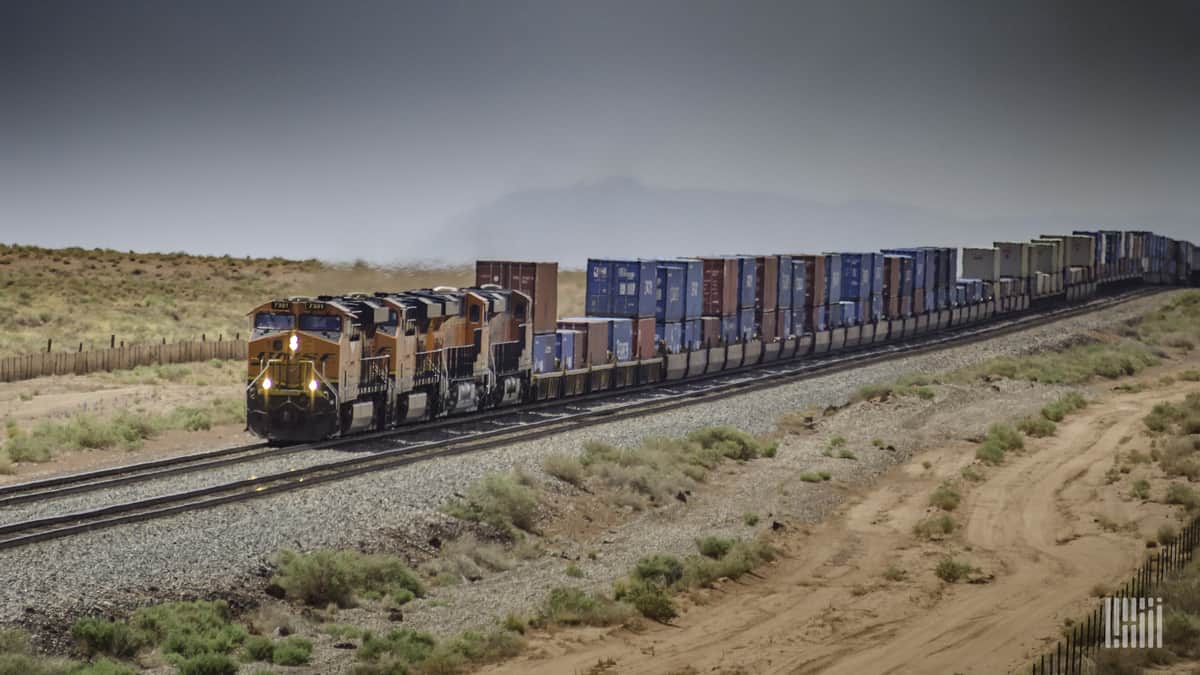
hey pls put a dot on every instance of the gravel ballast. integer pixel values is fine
(227, 550)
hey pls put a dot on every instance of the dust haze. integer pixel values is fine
(445, 131)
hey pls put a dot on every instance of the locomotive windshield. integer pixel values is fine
(320, 323)
(271, 322)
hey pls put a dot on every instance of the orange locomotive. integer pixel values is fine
(334, 365)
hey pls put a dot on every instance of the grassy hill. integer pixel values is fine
(74, 295)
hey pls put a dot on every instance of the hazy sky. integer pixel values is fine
(326, 128)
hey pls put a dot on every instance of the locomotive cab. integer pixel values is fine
(311, 372)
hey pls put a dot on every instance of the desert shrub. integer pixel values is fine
(663, 569)
(750, 519)
(1183, 495)
(504, 501)
(114, 638)
(969, 473)
(1166, 534)
(1006, 436)
(846, 454)
(1140, 489)
(893, 573)
(934, 527)
(208, 663)
(258, 648)
(1055, 412)
(573, 571)
(575, 607)
(1037, 427)
(945, 497)
(952, 571)
(1178, 458)
(810, 477)
(323, 577)
(470, 647)
(293, 650)
(742, 557)
(649, 599)
(403, 645)
(1074, 365)
(730, 443)
(1191, 375)
(714, 547)
(190, 628)
(990, 452)
(565, 468)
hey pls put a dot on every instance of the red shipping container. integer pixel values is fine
(814, 278)
(594, 336)
(538, 280)
(766, 283)
(919, 301)
(767, 324)
(720, 286)
(644, 339)
(710, 331)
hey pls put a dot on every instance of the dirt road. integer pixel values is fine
(1032, 527)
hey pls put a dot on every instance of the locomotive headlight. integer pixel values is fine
(266, 384)
(294, 342)
(312, 385)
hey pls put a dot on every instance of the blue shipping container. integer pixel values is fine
(833, 315)
(599, 288)
(919, 264)
(876, 307)
(544, 347)
(799, 322)
(670, 336)
(621, 288)
(620, 338)
(849, 312)
(693, 336)
(668, 290)
(799, 279)
(822, 316)
(877, 274)
(785, 282)
(747, 276)
(729, 328)
(852, 268)
(564, 348)
(693, 289)
(833, 280)
(747, 327)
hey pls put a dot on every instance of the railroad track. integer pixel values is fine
(450, 437)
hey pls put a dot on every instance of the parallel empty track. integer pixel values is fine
(456, 436)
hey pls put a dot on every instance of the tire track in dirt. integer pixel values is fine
(826, 608)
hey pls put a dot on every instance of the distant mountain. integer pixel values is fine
(624, 217)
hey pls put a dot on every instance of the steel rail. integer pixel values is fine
(765, 376)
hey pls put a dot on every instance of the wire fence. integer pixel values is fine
(123, 357)
(1076, 653)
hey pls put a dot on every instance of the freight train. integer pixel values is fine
(329, 366)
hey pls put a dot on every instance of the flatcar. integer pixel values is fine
(335, 365)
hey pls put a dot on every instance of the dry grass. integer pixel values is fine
(145, 297)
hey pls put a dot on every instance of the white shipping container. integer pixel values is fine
(980, 263)
(1041, 258)
(1013, 259)
(1057, 265)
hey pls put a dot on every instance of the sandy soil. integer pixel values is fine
(1031, 527)
(55, 399)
